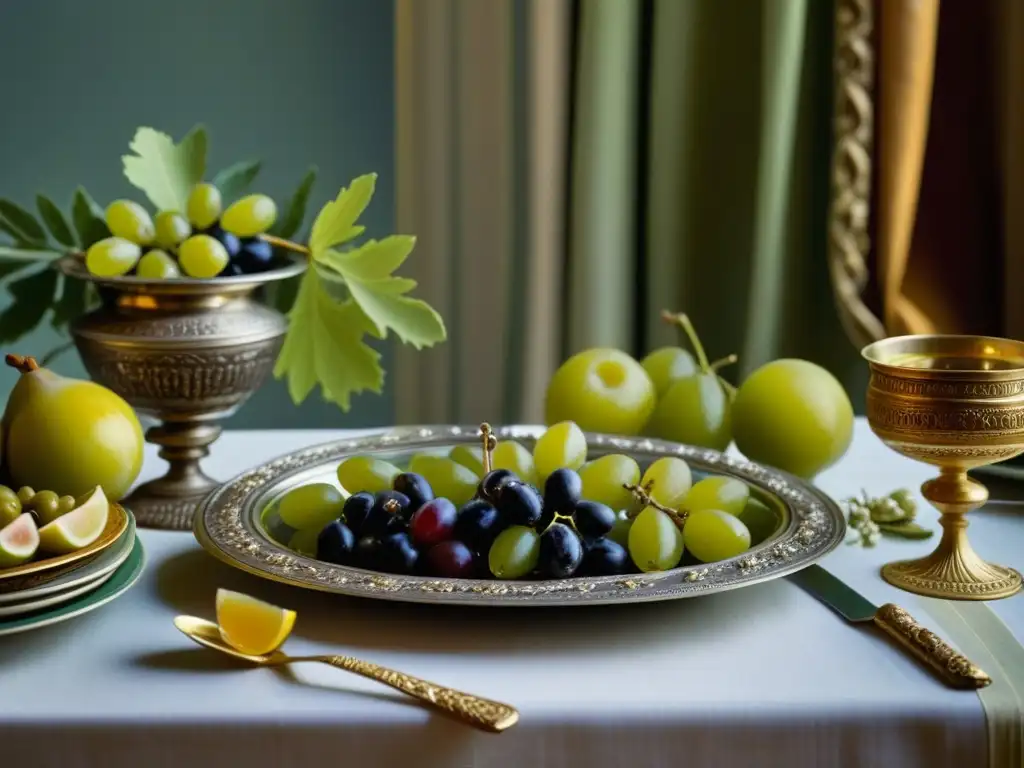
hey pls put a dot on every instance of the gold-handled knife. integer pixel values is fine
(955, 669)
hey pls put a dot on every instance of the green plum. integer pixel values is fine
(794, 415)
(602, 390)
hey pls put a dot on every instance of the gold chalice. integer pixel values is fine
(956, 402)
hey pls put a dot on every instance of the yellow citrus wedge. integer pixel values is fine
(250, 625)
(19, 541)
(78, 528)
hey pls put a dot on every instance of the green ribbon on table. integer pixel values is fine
(983, 637)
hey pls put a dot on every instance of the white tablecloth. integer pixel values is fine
(762, 676)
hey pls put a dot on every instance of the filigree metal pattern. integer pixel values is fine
(227, 524)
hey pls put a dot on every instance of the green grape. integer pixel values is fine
(447, 478)
(712, 535)
(311, 506)
(469, 456)
(128, 219)
(366, 473)
(561, 445)
(514, 456)
(172, 229)
(602, 390)
(157, 265)
(667, 365)
(203, 256)
(67, 503)
(724, 493)
(252, 215)
(112, 257)
(695, 410)
(204, 206)
(25, 494)
(620, 531)
(45, 505)
(10, 506)
(304, 542)
(760, 520)
(669, 480)
(655, 542)
(603, 479)
(514, 553)
(793, 415)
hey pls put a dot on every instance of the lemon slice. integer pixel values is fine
(19, 541)
(78, 528)
(250, 625)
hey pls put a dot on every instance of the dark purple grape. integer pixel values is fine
(367, 553)
(397, 554)
(562, 490)
(520, 504)
(336, 544)
(433, 523)
(231, 269)
(561, 552)
(478, 525)
(230, 241)
(389, 511)
(493, 481)
(356, 509)
(415, 487)
(546, 518)
(450, 560)
(593, 519)
(605, 557)
(255, 255)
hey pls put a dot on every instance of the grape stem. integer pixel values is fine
(490, 442)
(681, 320)
(288, 245)
(643, 495)
(22, 364)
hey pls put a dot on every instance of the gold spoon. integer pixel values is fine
(485, 714)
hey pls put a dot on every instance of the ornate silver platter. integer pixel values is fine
(231, 525)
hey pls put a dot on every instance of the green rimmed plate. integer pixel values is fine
(120, 582)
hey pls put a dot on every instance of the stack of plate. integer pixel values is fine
(52, 589)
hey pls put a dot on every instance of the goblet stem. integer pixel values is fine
(954, 570)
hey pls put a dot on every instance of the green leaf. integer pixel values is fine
(72, 303)
(905, 530)
(235, 179)
(325, 346)
(291, 222)
(336, 221)
(166, 171)
(28, 254)
(55, 221)
(415, 322)
(88, 218)
(22, 223)
(32, 297)
(373, 260)
(8, 268)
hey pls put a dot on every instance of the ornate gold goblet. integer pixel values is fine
(956, 402)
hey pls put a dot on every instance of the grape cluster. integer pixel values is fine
(201, 242)
(871, 518)
(45, 506)
(553, 516)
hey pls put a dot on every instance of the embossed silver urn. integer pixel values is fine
(188, 353)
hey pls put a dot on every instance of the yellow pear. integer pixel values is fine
(68, 435)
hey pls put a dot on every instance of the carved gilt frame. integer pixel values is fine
(854, 132)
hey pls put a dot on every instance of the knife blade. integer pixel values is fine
(954, 669)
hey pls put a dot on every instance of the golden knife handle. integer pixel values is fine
(485, 714)
(955, 669)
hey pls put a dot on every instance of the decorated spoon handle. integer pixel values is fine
(482, 713)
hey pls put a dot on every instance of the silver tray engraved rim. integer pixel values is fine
(227, 524)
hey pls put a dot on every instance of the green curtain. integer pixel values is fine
(701, 143)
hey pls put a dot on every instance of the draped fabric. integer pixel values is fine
(604, 160)
(947, 245)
